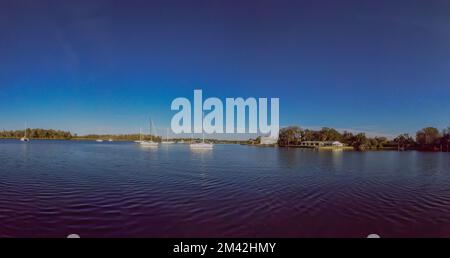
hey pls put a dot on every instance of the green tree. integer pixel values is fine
(404, 141)
(329, 134)
(289, 136)
(380, 142)
(445, 140)
(347, 138)
(307, 135)
(360, 141)
(427, 136)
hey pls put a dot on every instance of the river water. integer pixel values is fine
(119, 189)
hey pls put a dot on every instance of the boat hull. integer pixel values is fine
(149, 144)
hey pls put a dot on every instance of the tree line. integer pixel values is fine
(37, 134)
(120, 137)
(294, 135)
(428, 138)
(65, 135)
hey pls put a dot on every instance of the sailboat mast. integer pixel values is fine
(25, 130)
(151, 138)
(152, 129)
(203, 133)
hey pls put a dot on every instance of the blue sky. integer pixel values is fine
(105, 66)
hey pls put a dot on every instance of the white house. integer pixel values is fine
(337, 144)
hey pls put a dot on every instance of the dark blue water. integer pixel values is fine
(55, 188)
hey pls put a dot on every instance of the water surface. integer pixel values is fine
(118, 189)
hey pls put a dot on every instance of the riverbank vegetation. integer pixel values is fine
(427, 139)
(37, 134)
(119, 137)
(51, 134)
(65, 135)
(294, 135)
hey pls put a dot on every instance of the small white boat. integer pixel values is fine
(25, 138)
(140, 136)
(167, 139)
(149, 144)
(110, 140)
(202, 145)
(99, 140)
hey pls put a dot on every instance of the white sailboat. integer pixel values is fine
(149, 143)
(25, 138)
(99, 140)
(167, 138)
(203, 144)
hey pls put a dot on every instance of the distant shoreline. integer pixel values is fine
(323, 148)
(428, 139)
(216, 141)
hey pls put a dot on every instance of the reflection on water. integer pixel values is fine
(201, 151)
(149, 149)
(337, 158)
(55, 188)
(24, 149)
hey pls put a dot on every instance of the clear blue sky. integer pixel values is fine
(106, 66)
